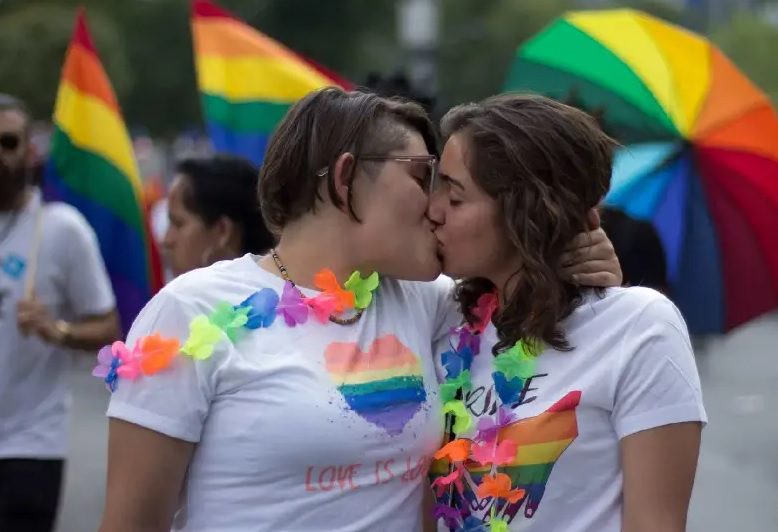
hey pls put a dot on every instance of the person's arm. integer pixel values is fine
(659, 466)
(146, 471)
(658, 417)
(88, 333)
(86, 289)
(157, 419)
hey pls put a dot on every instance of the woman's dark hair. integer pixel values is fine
(223, 185)
(316, 131)
(546, 165)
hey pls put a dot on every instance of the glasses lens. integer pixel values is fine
(424, 171)
(9, 141)
(431, 174)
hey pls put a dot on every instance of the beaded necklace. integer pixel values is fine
(334, 319)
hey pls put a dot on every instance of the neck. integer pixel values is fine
(505, 281)
(307, 246)
(14, 201)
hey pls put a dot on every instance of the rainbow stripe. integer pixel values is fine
(384, 385)
(92, 167)
(247, 80)
(540, 440)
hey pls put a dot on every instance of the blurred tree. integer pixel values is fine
(34, 37)
(479, 40)
(752, 43)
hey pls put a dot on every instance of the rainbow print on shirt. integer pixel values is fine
(540, 441)
(384, 385)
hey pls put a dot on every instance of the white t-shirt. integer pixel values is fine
(72, 282)
(632, 369)
(297, 428)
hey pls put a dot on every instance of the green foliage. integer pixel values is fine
(34, 38)
(479, 41)
(147, 49)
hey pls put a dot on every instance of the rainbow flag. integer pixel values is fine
(247, 81)
(93, 168)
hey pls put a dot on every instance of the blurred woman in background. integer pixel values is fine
(213, 213)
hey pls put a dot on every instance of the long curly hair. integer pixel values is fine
(546, 165)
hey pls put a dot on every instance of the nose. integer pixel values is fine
(436, 208)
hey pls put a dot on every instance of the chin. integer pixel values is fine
(455, 271)
(431, 274)
(422, 274)
(417, 271)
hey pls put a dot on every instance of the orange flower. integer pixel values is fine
(499, 487)
(456, 451)
(157, 353)
(326, 281)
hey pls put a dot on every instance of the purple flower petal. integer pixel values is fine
(105, 356)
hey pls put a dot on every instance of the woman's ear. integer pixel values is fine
(343, 175)
(225, 233)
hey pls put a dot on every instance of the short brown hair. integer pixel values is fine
(315, 132)
(546, 165)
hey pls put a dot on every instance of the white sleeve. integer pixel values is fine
(447, 313)
(447, 316)
(656, 379)
(175, 401)
(88, 287)
(438, 348)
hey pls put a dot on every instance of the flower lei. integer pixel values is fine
(510, 369)
(154, 353)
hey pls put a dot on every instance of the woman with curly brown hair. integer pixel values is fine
(585, 400)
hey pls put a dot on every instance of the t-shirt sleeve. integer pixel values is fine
(88, 286)
(175, 401)
(447, 316)
(657, 382)
(447, 313)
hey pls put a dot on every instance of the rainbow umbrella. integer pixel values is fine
(701, 151)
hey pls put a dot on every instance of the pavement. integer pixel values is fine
(737, 480)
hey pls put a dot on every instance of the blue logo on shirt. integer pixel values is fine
(13, 266)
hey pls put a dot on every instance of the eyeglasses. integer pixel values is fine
(424, 168)
(9, 141)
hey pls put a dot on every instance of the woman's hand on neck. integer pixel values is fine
(314, 242)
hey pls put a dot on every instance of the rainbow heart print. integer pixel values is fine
(383, 385)
(540, 441)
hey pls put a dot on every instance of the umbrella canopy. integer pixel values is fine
(700, 160)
